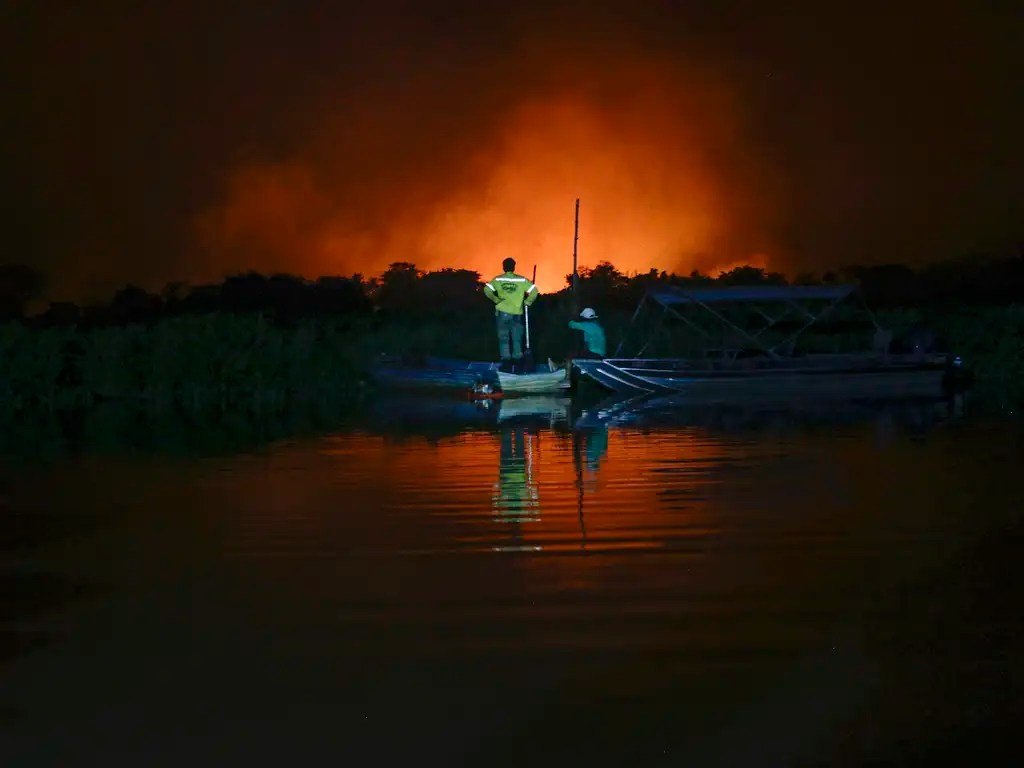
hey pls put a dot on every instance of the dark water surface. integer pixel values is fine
(529, 581)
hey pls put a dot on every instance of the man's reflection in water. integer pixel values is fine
(589, 446)
(593, 445)
(516, 499)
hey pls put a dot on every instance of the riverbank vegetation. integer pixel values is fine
(263, 344)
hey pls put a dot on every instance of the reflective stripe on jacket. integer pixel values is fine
(510, 292)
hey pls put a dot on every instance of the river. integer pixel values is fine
(534, 580)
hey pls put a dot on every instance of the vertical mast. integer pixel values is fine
(575, 240)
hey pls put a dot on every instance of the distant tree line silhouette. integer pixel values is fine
(265, 343)
(19, 284)
(405, 292)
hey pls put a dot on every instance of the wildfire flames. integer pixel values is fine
(658, 160)
(336, 138)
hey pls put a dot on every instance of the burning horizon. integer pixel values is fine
(655, 153)
(323, 138)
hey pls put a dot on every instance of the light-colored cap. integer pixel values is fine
(588, 313)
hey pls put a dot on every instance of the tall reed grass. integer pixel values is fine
(220, 361)
(227, 361)
(991, 342)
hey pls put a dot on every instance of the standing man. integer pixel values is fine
(510, 293)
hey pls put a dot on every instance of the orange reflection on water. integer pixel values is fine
(529, 488)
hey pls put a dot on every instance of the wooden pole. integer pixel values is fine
(526, 309)
(575, 240)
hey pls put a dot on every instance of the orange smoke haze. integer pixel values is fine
(159, 142)
(656, 154)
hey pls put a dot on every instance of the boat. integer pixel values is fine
(436, 373)
(541, 382)
(677, 409)
(758, 363)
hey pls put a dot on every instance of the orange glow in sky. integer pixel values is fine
(659, 164)
(643, 202)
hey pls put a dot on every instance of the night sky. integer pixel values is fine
(149, 142)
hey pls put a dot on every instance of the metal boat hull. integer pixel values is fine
(837, 376)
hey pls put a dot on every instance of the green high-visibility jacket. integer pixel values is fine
(510, 292)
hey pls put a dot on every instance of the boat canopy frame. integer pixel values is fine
(791, 298)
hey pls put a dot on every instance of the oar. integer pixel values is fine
(528, 354)
(526, 309)
(575, 276)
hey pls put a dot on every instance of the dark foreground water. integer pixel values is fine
(524, 583)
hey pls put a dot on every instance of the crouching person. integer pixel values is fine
(593, 343)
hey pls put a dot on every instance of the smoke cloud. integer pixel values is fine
(185, 141)
(654, 150)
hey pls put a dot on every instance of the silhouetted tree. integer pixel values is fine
(605, 276)
(289, 296)
(173, 295)
(132, 304)
(340, 295)
(397, 289)
(405, 291)
(248, 292)
(19, 284)
(806, 278)
(201, 299)
(603, 285)
(885, 285)
(748, 275)
(451, 290)
(59, 314)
